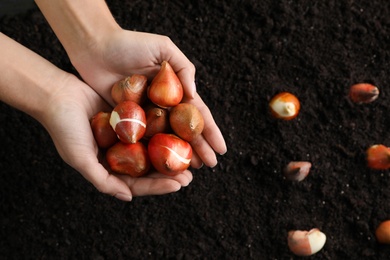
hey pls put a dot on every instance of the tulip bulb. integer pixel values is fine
(306, 243)
(186, 121)
(382, 232)
(103, 133)
(169, 154)
(130, 159)
(297, 171)
(129, 121)
(363, 93)
(132, 88)
(157, 120)
(378, 157)
(285, 106)
(165, 90)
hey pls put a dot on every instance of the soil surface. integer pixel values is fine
(245, 52)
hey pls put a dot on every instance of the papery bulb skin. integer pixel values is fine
(306, 243)
(103, 133)
(133, 88)
(165, 90)
(363, 93)
(169, 154)
(157, 120)
(297, 171)
(130, 159)
(129, 121)
(284, 106)
(378, 157)
(382, 232)
(186, 121)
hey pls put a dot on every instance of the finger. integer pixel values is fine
(145, 186)
(184, 68)
(150, 186)
(80, 151)
(204, 151)
(186, 76)
(183, 178)
(214, 137)
(104, 182)
(196, 161)
(211, 131)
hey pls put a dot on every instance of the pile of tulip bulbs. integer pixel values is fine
(149, 127)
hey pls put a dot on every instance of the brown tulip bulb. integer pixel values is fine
(186, 121)
(157, 120)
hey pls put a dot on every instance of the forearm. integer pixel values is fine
(79, 24)
(27, 79)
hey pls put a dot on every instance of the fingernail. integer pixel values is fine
(224, 152)
(200, 166)
(122, 196)
(193, 89)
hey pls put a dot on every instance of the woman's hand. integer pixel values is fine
(63, 104)
(67, 120)
(103, 53)
(123, 53)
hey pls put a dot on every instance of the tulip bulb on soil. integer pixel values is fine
(363, 93)
(382, 232)
(129, 121)
(165, 90)
(306, 243)
(169, 154)
(378, 157)
(284, 106)
(186, 121)
(297, 171)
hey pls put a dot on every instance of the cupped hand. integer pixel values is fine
(123, 53)
(67, 120)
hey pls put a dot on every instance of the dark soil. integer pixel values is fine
(245, 52)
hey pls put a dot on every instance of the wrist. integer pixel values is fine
(28, 83)
(61, 99)
(79, 25)
(87, 44)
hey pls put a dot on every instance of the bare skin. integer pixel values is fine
(103, 53)
(54, 97)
